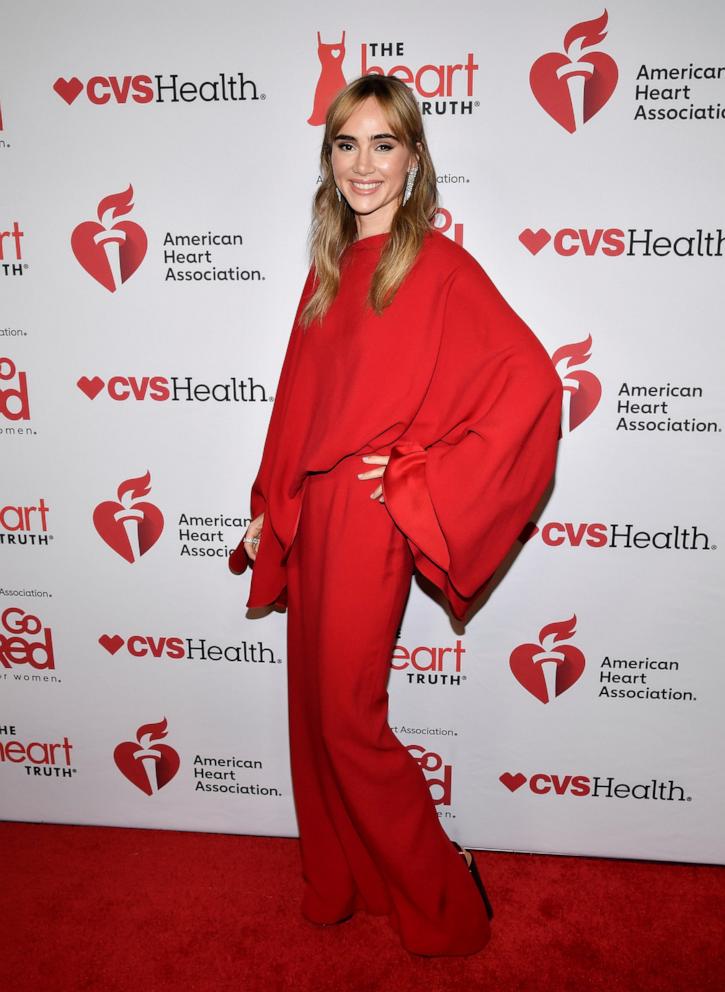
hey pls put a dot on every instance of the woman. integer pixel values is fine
(404, 365)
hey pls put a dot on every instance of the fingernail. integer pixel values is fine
(364, 458)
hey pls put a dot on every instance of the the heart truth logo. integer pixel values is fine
(331, 79)
(437, 86)
(572, 86)
(582, 389)
(550, 667)
(110, 252)
(147, 764)
(593, 786)
(127, 526)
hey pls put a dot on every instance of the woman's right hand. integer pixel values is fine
(254, 530)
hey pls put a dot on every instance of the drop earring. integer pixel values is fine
(409, 184)
(339, 194)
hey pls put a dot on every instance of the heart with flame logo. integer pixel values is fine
(530, 675)
(111, 529)
(166, 766)
(552, 91)
(132, 244)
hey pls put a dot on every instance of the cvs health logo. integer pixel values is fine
(574, 241)
(110, 252)
(594, 786)
(573, 87)
(24, 640)
(129, 527)
(551, 666)
(145, 762)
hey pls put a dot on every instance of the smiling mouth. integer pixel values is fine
(365, 187)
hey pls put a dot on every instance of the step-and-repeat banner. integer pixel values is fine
(158, 166)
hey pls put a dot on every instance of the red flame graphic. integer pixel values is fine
(140, 486)
(562, 630)
(153, 731)
(591, 32)
(575, 353)
(118, 203)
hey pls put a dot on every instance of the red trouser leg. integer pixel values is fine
(370, 836)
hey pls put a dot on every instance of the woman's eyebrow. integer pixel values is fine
(351, 137)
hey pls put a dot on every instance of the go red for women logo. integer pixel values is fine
(574, 86)
(145, 762)
(128, 526)
(110, 252)
(14, 396)
(24, 640)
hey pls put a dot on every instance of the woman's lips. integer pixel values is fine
(365, 192)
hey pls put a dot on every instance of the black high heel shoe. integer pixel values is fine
(473, 869)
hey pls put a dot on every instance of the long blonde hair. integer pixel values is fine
(333, 225)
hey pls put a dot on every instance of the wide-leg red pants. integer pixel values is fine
(370, 836)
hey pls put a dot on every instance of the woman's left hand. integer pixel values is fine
(375, 473)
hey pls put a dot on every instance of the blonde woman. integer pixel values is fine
(415, 427)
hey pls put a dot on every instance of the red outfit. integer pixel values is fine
(457, 389)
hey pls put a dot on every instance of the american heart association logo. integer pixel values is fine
(145, 762)
(582, 389)
(549, 668)
(573, 87)
(129, 528)
(110, 253)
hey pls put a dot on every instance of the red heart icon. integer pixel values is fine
(129, 765)
(132, 246)
(552, 91)
(512, 782)
(68, 89)
(113, 532)
(111, 642)
(534, 240)
(91, 387)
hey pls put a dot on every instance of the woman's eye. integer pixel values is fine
(343, 145)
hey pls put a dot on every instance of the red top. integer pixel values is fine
(450, 381)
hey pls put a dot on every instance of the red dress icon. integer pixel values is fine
(331, 79)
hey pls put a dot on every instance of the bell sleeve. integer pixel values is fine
(463, 499)
(258, 498)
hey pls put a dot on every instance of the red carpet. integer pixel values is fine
(126, 910)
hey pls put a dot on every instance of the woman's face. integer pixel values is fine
(370, 165)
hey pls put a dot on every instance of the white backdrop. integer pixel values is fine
(158, 166)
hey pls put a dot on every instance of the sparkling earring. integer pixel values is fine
(409, 184)
(339, 194)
